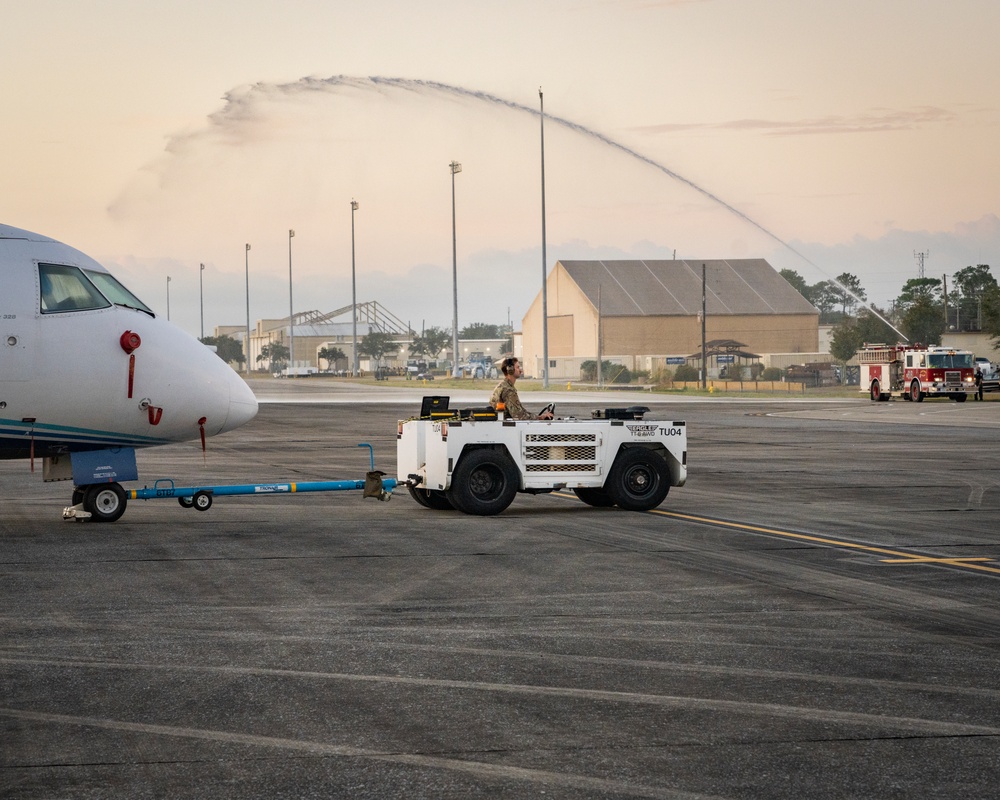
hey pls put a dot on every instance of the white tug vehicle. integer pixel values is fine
(474, 461)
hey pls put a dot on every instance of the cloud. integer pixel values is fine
(886, 262)
(877, 120)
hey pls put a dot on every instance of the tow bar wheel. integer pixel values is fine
(202, 500)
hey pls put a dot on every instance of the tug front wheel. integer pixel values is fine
(598, 498)
(639, 479)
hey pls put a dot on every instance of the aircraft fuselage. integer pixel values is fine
(84, 365)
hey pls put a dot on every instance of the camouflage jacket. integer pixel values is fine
(506, 393)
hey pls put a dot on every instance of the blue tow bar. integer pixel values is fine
(200, 497)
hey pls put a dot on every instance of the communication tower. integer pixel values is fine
(920, 260)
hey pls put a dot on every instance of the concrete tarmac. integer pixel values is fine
(814, 615)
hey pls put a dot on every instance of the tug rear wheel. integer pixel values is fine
(431, 498)
(484, 483)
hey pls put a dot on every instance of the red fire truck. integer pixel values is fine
(916, 371)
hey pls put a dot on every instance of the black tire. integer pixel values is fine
(186, 502)
(484, 483)
(875, 392)
(431, 498)
(202, 501)
(916, 395)
(960, 398)
(594, 497)
(639, 479)
(77, 496)
(105, 501)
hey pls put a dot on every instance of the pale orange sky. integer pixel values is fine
(858, 132)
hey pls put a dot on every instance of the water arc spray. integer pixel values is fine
(236, 100)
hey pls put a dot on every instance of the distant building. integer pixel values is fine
(649, 313)
(315, 330)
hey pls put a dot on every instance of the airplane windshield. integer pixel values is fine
(115, 292)
(949, 360)
(66, 288)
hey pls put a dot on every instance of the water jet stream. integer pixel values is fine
(375, 83)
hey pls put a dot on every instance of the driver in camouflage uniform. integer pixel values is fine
(506, 393)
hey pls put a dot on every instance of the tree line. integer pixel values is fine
(923, 311)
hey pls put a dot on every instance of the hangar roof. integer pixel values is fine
(673, 288)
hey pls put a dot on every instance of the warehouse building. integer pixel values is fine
(646, 315)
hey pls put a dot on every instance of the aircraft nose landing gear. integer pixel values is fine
(100, 502)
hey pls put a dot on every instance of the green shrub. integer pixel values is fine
(772, 374)
(686, 372)
(611, 372)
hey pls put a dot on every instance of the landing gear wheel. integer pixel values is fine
(186, 502)
(484, 483)
(639, 479)
(431, 498)
(202, 500)
(594, 497)
(105, 501)
(916, 395)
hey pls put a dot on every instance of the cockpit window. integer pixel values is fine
(115, 292)
(66, 288)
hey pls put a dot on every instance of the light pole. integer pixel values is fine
(246, 258)
(545, 294)
(168, 298)
(201, 297)
(354, 298)
(291, 321)
(455, 168)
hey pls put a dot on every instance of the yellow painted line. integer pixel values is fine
(930, 560)
(902, 556)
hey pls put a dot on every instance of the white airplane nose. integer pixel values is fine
(242, 404)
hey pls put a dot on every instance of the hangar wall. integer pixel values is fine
(633, 340)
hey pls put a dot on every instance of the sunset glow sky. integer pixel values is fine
(158, 137)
